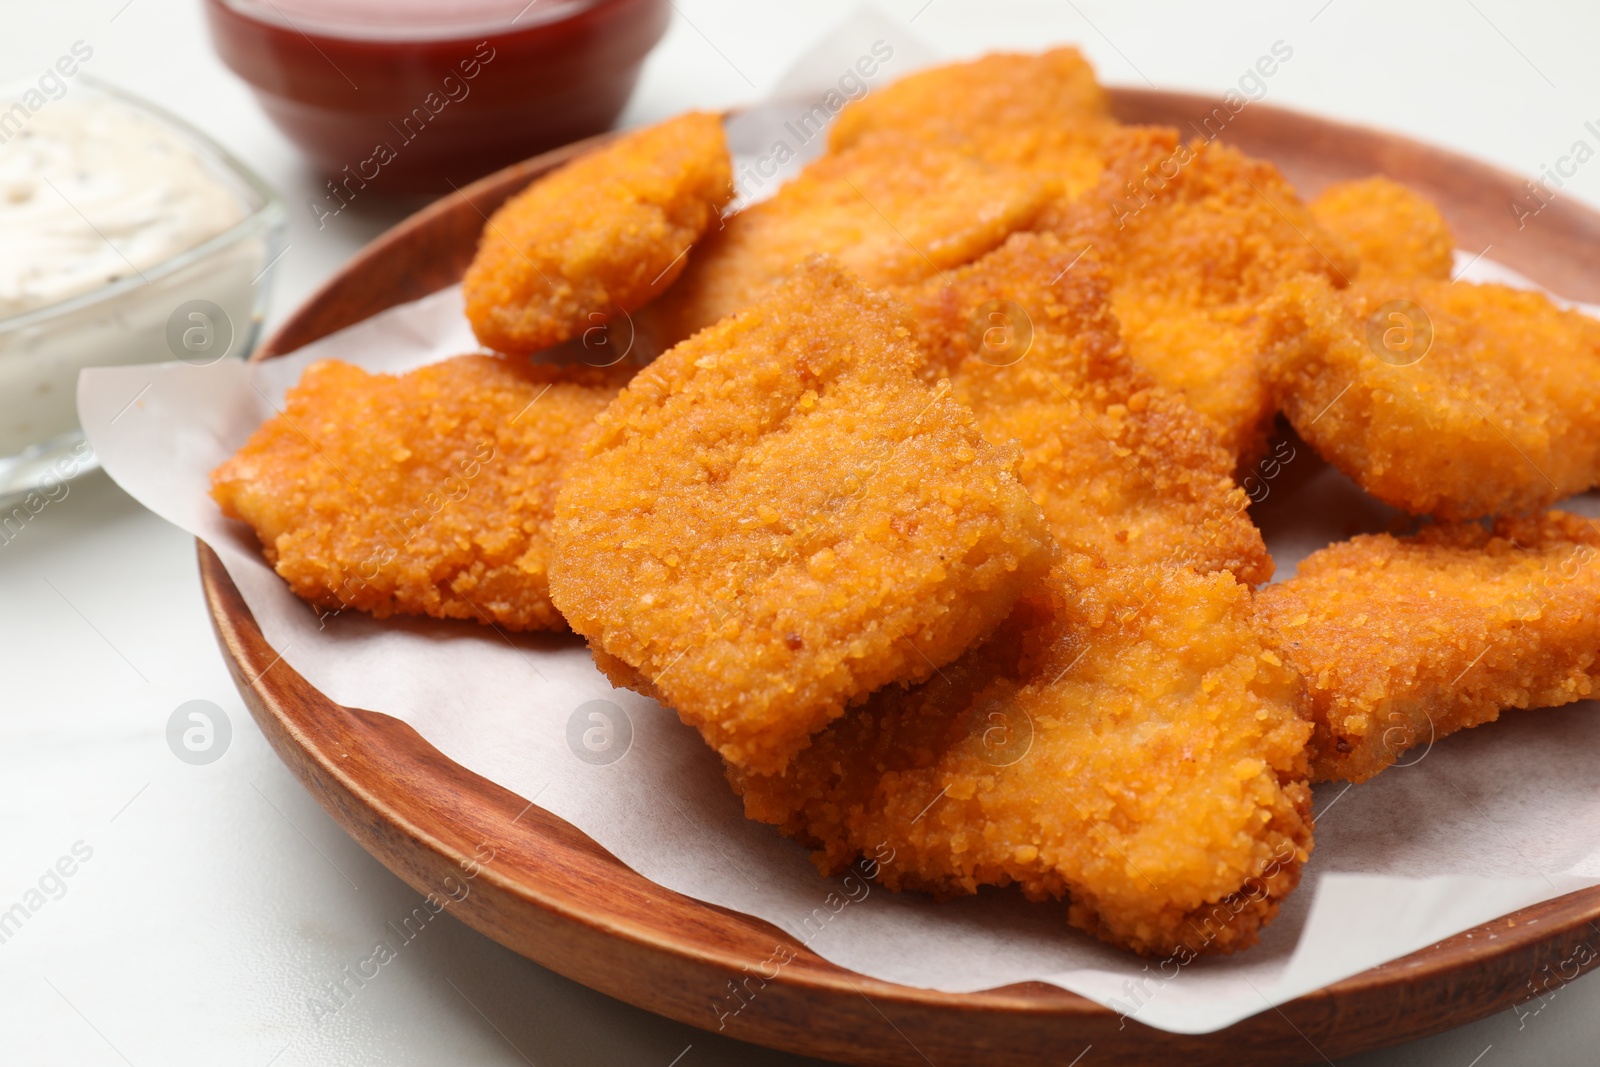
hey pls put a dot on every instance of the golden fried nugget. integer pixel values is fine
(1395, 231)
(1124, 741)
(427, 493)
(1119, 466)
(891, 209)
(602, 235)
(1045, 112)
(1403, 640)
(1194, 237)
(777, 518)
(1453, 400)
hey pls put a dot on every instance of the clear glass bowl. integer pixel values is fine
(145, 317)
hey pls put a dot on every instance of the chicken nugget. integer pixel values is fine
(1119, 466)
(1194, 237)
(777, 517)
(1045, 112)
(602, 235)
(1452, 400)
(1403, 640)
(1124, 742)
(891, 209)
(1395, 231)
(427, 493)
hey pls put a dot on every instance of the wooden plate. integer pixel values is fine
(557, 897)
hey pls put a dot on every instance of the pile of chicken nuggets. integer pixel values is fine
(928, 514)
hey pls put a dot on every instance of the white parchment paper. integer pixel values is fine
(1479, 825)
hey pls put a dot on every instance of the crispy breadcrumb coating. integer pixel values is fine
(602, 235)
(1125, 742)
(777, 517)
(427, 493)
(1395, 231)
(1403, 640)
(1119, 466)
(891, 209)
(1499, 412)
(1194, 237)
(1042, 111)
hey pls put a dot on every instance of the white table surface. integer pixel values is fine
(217, 899)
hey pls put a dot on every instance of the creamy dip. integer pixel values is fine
(98, 199)
(93, 190)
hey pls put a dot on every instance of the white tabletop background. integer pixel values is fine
(217, 899)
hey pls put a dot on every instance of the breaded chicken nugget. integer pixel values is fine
(428, 493)
(1194, 237)
(1125, 742)
(1045, 112)
(1453, 400)
(602, 235)
(1403, 640)
(777, 518)
(1119, 466)
(1395, 231)
(893, 210)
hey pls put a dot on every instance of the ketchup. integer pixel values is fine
(421, 95)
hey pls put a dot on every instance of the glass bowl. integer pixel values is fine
(416, 96)
(202, 304)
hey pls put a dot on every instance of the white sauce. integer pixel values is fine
(129, 194)
(93, 190)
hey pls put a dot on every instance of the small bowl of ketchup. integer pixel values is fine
(407, 96)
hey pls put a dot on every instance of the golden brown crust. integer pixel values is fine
(891, 209)
(601, 236)
(1124, 742)
(777, 517)
(1394, 231)
(427, 493)
(1042, 111)
(1403, 640)
(1500, 412)
(1120, 466)
(1194, 238)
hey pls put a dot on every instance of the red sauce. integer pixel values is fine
(419, 95)
(393, 20)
